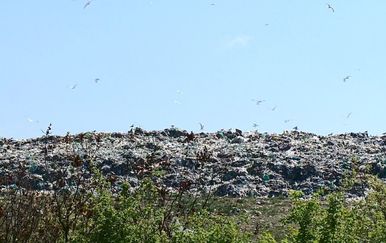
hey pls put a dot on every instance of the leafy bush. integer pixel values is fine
(142, 217)
(203, 227)
(267, 237)
(337, 220)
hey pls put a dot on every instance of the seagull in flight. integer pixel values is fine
(30, 120)
(274, 108)
(330, 7)
(286, 121)
(96, 80)
(87, 4)
(346, 78)
(201, 126)
(74, 86)
(348, 115)
(255, 125)
(258, 102)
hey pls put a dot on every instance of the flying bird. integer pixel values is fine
(258, 102)
(74, 86)
(255, 125)
(96, 80)
(201, 126)
(346, 78)
(87, 4)
(295, 128)
(330, 7)
(286, 121)
(274, 108)
(348, 115)
(30, 120)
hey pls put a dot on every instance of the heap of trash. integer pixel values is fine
(226, 163)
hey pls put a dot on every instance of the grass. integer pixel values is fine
(254, 215)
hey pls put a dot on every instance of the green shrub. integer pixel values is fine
(267, 237)
(203, 227)
(335, 220)
(142, 217)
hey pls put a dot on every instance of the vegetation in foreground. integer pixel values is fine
(151, 214)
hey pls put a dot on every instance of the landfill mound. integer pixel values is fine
(226, 163)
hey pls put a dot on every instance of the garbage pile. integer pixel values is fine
(226, 163)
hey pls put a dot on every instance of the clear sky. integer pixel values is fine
(172, 62)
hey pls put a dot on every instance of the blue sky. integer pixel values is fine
(163, 63)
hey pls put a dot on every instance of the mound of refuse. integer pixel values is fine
(226, 163)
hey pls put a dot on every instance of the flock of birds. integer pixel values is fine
(72, 87)
(257, 101)
(76, 85)
(88, 3)
(260, 101)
